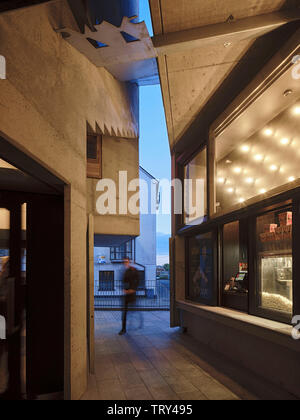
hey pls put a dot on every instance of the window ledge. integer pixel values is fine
(275, 332)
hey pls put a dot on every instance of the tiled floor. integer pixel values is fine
(153, 363)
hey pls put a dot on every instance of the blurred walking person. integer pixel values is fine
(131, 284)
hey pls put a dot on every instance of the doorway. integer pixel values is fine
(31, 279)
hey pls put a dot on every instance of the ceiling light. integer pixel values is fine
(262, 191)
(241, 200)
(249, 180)
(221, 180)
(297, 110)
(258, 158)
(245, 149)
(268, 132)
(292, 179)
(273, 168)
(284, 141)
(230, 190)
(237, 170)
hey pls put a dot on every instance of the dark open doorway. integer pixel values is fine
(32, 246)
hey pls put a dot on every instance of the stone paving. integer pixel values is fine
(153, 363)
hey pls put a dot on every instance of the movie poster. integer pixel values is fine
(201, 285)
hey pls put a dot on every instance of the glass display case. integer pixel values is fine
(275, 261)
(277, 282)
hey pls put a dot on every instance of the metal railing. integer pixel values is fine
(154, 296)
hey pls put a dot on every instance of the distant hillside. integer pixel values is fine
(162, 242)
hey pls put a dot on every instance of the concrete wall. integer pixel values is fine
(267, 361)
(119, 154)
(50, 93)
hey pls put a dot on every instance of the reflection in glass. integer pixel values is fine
(195, 175)
(6, 305)
(274, 244)
(201, 268)
(235, 260)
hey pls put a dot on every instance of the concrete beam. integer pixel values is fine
(226, 33)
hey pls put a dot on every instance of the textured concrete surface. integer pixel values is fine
(153, 363)
(50, 94)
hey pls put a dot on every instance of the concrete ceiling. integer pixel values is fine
(200, 42)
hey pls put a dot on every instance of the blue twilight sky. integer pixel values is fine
(154, 143)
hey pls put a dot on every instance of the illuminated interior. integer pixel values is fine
(256, 165)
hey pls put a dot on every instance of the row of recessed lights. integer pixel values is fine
(259, 158)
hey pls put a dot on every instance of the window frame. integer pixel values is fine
(113, 281)
(115, 250)
(94, 166)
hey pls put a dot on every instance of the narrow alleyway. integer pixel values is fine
(153, 363)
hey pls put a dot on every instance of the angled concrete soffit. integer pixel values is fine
(127, 51)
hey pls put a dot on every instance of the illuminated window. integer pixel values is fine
(258, 165)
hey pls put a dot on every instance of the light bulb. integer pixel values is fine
(221, 180)
(273, 168)
(258, 158)
(245, 149)
(241, 200)
(263, 191)
(284, 141)
(292, 179)
(268, 132)
(249, 180)
(237, 170)
(230, 190)
(296, 110)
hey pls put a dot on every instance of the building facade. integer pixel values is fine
(233, 105)
(108, 261)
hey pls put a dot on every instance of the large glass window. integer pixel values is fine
(275, 261)
(253, 166)
(235, 266)
(195, 189)
(201, 274)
